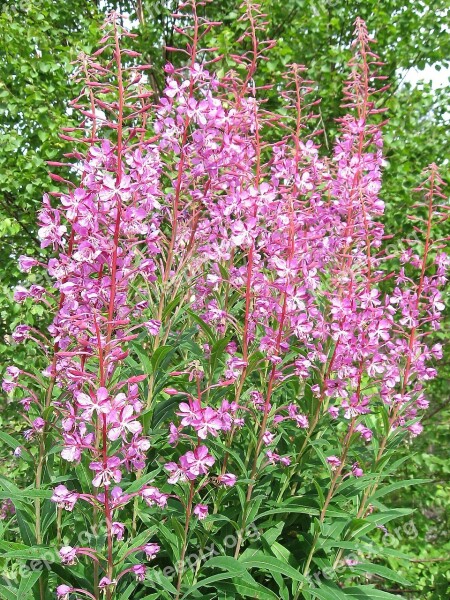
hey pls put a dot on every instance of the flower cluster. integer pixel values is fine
(207, 231)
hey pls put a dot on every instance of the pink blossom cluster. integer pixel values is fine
(272, 246)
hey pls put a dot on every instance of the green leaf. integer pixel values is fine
(368, 548)
(8, 546)
(247, 589)
(219, 445)
(85, 477)
(272, 534)
(382, 571)
(33, 553)
(67, 575)
(13, 443)
(328, 591)
(358, 527)
(397, 486)
(242, 580)
(127, 593)
(368, 592)
(27, 582)
(208, 581)
(136, 485)
(217, 351)
(203, 326)
(293, 505)
(271, 564)
(164, 410)
(175, 303)
(137, 541)
(7, 593)
(27, 493)
(26, 533)
(143, 357)
(169, 539)
(159, 355)
(162, 580)
(228, 563)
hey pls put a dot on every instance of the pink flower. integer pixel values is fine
(75, 442)
(118, 498)
(174, 88)
(207, 422)
(139, 571)
(365, 432)
(190, 413)
(267, 438)
(302, 421)
(351, 562)
(20, 333)
(106, 474)
(355, 406)
(152, 496)
(334, 462)
(64, 498)
(99, 405)
(123, 423)
(176, 473)
(436, 350)
(174, 435)
(50, 232)
(63, 591)
(356, 470)
(112, 188)
(38, 424)
(231, 348)
(292, 410)
(235, 366)
(72, 202)
(227, 479)
(21, 293)
(243, 233)
(273, 457)
(37, 292)
(118, 529)
(7, 509)
(13, 372)
(333, 411)
(26, 263)
(415, 429)
(257, 399)
(151, 550)
(273, 250)
(68, 555)
(201, 511)
(8, 385)
(381, 329)
(197, 462)
(153, 326)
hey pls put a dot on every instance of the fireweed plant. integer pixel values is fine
(231, 363)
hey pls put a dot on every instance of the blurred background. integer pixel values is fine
(40, 38)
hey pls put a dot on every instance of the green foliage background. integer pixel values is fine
(40, 38)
